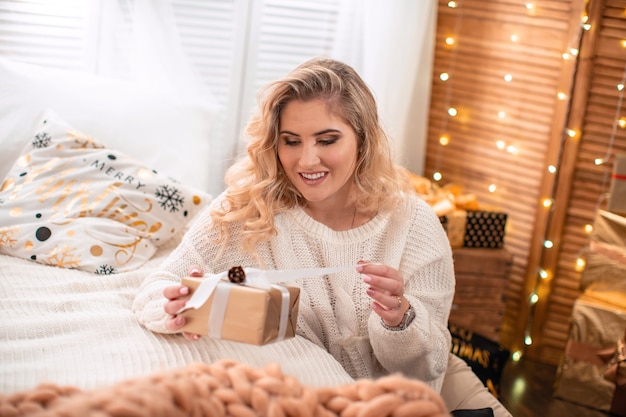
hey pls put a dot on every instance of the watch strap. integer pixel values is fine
(408, 317)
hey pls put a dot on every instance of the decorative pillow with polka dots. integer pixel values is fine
(71, 202)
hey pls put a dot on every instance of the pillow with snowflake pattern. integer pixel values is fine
(71, 202)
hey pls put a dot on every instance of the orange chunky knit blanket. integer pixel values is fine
(229, 388)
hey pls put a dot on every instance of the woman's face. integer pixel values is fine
(318, 151)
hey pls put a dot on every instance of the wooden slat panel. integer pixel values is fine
(483, 54)
(590, 181)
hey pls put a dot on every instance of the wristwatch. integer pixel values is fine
(406, 320)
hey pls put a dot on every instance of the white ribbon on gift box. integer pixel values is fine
(257, 278)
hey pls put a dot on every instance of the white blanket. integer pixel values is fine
(75, 328)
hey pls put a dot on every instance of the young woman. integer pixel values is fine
(318, 188)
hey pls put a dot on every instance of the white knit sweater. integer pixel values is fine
(335, 310)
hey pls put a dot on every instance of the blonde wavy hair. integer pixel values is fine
(257, 186)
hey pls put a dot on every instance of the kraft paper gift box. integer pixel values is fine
(605, 269)
(252, 315)
(617, 196)
(593, 369)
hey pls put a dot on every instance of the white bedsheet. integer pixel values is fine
(75, 328)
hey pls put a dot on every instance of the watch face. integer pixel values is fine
(408, 317)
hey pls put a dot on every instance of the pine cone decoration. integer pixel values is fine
(236, 275)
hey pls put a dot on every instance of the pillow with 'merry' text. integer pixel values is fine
(71, 202)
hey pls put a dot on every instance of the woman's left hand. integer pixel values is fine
(386, 288)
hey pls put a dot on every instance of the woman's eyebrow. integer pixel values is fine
(325, 131)
(321, 132)
(287, 132)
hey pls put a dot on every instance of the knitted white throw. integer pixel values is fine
(70, 327)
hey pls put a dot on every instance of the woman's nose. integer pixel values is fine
(309, 156)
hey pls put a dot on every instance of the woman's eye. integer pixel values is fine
(291, 142)
(327, 142)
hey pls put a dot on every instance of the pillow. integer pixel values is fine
(71, 202)
(127, 116)
(486, 357)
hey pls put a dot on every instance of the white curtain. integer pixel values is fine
(139, 39)
(391, 44)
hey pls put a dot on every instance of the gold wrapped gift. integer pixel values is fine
(455, 224)
(467, 223)
(248, 314)
(592, 370)
(605, 270)
(617, 195)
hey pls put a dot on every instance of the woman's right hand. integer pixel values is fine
(177, 296)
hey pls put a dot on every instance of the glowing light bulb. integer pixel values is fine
(580, 264)
(565, 56)
(444, 76)
(516, 356)
(561, 95)
(620, 87)
(623, 42)
(573, 51)
(492, 188)
(452, 4)
(548, 244)
(508, 78)
(588, 228)
(598, 161)
(586, 26)
(533, 298)
(500, 144)
(547, 202)
(452, 111)
(514, 38)
(437, 176)
(528, 340)
(530, 6)
(551, 169)
(449, 40)
(571, 133)
(501, 114)
(511, 149)
(622, 122)
(543, 274)
(444, 140)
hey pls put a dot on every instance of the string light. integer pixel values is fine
(580, 262)
(446, 137)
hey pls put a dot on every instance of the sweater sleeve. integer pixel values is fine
(428, 271)
(149, 302)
